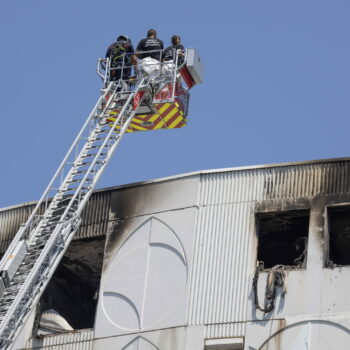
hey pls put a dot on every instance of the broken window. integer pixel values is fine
(282, 238)
(70, 298)
(339, 235)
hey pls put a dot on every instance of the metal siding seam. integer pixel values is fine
(341, 188)
(276, 190)
(229, 187)
(216, 259)
(192, 279)
(220, 192)
(337, 178)
(201, 268)
(234, 182)
(304, 182)
(95, 217)
(227, 266)
(242, 187)
(341, 178)
(317, 180)
(213, 184)
(323, 176)
(298, 192)
(314, 181)
(241, 258)
(231, 265)
(310, 180)
(250, 186)
(222, 239)
(259, 185)
(236, 209)
(246, 236)
(331, 181)
(206, 258)
(211, 265)
(286, 182)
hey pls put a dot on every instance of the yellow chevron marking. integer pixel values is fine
(165, 119)
(175, 122)
(134, 126)
(155, 117)
(137, 120)
(170, 114)
(164, 108)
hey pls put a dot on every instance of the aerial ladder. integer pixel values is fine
(156, 98)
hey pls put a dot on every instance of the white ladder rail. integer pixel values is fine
(28, 226)
(62, 229)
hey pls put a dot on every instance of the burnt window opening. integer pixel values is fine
(70, 298)
(339, 236)
(282, 238)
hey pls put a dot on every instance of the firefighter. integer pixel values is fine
(121, 51)
(149, 44)
(176, 46)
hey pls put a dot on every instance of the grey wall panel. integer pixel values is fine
(95, 216)
(219, 277)
(78, 340)
(155, 197)
(10, 221)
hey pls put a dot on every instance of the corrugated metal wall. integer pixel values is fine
(222, 263)
(225, 330)
(79, 340)
(94, 219)
(293, 181)
(218, 289)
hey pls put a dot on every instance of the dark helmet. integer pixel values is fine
(123, 40)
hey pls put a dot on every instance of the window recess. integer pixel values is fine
(339, 236)
(282, 238)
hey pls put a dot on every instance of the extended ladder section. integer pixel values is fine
(40, 243)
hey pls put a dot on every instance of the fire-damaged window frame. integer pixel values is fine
(329, 259)
(277, 272)
(280, 213)
(52, 320)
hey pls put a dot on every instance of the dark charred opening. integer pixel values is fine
(70, 298)
(339, 235)
(282, 238)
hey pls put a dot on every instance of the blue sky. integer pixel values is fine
(276, 89)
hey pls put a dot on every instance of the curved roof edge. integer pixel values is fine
(200, 172)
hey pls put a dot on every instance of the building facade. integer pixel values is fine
(244, 258)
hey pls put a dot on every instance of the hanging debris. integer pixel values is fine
(276, 278)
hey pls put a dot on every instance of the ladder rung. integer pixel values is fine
(96, 146)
